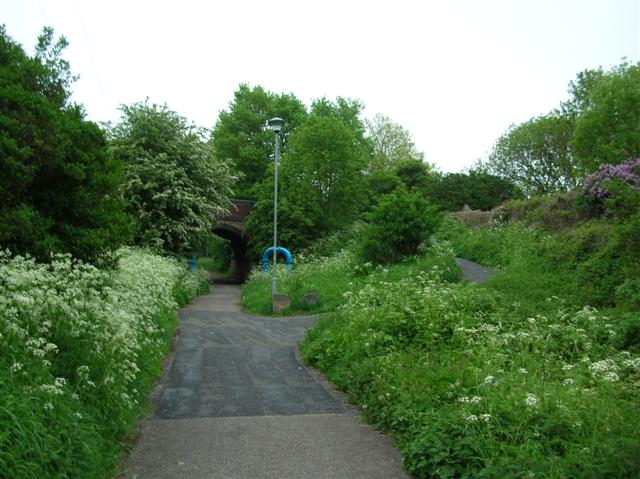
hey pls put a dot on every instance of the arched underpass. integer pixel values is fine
(239, 265)
(231, 228)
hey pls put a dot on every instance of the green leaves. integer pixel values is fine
(607, 128)
(397, 226)
(536, 155)
(321, 178)
(174, 184)
(60, 191)
(599, 124)
(240, 135)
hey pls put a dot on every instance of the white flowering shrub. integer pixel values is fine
(79, 348)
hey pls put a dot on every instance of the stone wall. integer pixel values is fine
(473, 218)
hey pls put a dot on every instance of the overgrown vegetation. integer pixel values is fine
(332, 273)
(80, 348)
(520, 377)
(532, 374)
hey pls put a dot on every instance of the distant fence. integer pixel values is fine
(473, 218)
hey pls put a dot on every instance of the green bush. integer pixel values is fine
(606, 257)
(627, 295)
(397, 227)
(623, 200)
(553, 212)
(630, 333)
(586, 264)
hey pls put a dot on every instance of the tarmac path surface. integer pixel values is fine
(235, 402)
(474, 272)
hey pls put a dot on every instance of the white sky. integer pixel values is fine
(456, 74)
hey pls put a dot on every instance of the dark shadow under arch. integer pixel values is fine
(240, 265)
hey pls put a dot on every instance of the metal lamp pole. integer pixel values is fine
(276, 125)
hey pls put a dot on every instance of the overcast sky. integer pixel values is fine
(456, 74)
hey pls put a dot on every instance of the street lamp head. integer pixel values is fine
(276, 124)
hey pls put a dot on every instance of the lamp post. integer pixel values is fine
(276, 126)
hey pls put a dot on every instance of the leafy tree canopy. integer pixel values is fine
(321, 177)
(240, 134)
(478, 190)
(330, 152)
(536, 155)
(599, 124)
(60, 190)
(607, 120)
(378, 184)
(391, 143)
(174, 184)
(415, 174)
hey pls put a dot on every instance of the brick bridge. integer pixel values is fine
(232, 228)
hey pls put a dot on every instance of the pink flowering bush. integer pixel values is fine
(596, 184)
(614, 190)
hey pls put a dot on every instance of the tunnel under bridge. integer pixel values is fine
(231, 227)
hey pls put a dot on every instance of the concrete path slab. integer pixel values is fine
(330, 446)
(236, 403)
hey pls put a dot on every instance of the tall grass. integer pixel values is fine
(80, 347)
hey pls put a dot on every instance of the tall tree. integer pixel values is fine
(329, 152)
(391, 143)
(536, 155)
(298, 217)
(240, 134)
(60, 190)
(175, 185)
(607, 120)
(321, 177)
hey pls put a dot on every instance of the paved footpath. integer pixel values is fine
(235, 402)
(474, 272)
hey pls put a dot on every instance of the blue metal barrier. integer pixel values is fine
(268, 253)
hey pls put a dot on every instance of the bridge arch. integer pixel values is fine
(231, 227)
